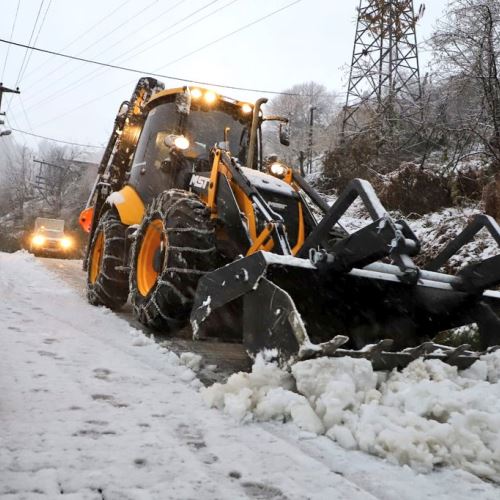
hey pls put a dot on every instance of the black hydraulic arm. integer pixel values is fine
(313, 195)
(269, 215)
(371, 242)
(478, 276)
(479, 222)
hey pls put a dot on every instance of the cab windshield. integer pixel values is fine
(203, 128)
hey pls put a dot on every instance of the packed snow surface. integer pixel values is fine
(425, 416)
(91, 408)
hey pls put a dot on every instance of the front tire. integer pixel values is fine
(107, 284)
(174, 247)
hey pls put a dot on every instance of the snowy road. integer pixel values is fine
(90, 408)
(226, 357)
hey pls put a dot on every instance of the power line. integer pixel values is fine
(23, 71)
(170, 77)
(227, 35)
(83, 80)
(107, 34)
(26, 52)
(81, 35)
(31, 37)
(157, 74)
(36, 39)
(101, 96)
(11, 34)
(57, 140)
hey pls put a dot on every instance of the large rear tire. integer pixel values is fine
(174, 247)
(107, 281)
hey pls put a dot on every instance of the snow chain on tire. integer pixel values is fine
(110, 286)
(188, 252)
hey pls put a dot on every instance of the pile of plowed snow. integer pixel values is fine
(427, 415)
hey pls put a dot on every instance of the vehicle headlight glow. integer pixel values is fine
(181, 142)
(210, 97)
(38, 240)
(246, 108)
(66, 242)
(195, 93)
(278, 169)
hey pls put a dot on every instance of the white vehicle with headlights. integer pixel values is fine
(49, 238)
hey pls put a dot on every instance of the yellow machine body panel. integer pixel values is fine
(129, 205)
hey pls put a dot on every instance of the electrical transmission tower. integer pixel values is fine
(384, 81)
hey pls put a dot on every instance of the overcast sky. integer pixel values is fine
(75, 101)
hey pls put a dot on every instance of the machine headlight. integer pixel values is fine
(246, 108)
(38, 240)
(195, 93)
(278, 169)
(176, 141)
(210, 97)
(181, 142)
(66, 243)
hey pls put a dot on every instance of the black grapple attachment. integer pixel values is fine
(361, 295)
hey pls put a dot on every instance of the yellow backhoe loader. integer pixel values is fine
(188, 221)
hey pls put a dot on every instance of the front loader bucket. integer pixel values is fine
(301, 311)
(348, 300)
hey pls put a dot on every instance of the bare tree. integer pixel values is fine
(297, 108)
(17, 175)
(58, 175)
(467, 51)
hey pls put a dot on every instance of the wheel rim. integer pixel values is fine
(96, 257)
(147, 275)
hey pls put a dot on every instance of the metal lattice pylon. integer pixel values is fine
(384, 81)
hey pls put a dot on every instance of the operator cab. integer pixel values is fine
(181, 128)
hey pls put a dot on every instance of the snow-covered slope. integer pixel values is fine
(91, 408)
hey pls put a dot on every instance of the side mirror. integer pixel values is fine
(284, 134)
(183, 102)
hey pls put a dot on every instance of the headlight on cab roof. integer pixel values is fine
(210, 97)
(195, 93)
(246, 108)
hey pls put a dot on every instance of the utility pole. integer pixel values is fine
(5, 90)
(310, 147)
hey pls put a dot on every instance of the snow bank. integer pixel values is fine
(266, 393)
(425, 416)
(191, 360)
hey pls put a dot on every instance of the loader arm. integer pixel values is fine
(275, 227)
